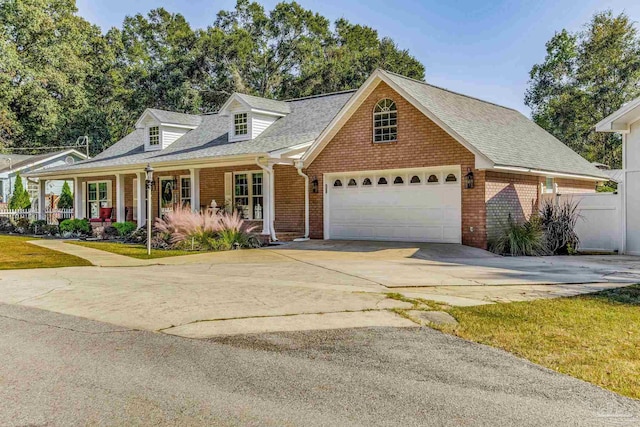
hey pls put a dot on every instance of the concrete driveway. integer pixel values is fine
(308, 285)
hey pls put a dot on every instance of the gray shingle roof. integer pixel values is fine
(176, 118)
(21, 160)
(258, 103)
(307, 119)
(503, 135)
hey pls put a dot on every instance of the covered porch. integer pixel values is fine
(269, 194)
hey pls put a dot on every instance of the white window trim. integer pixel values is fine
(109, 199)
(235, 125)
(159, 144)
(373, 116)
(190, 190)
(250, 195)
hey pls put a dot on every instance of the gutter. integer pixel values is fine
(549, 173)
(298, 166)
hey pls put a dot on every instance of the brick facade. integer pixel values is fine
(420, 143)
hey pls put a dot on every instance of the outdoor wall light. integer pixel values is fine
(314, 184)
(469, 178)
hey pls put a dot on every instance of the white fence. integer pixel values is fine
(600, 225)
(52, 216)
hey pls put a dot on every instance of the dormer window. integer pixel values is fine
(154, 136)
(241, 124)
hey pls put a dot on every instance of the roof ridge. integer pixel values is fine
(449, 90)
(339, 92)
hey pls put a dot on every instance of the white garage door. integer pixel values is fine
(420, 205)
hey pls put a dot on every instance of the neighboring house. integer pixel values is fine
(398, 159)
(13, 164)
(626, 121)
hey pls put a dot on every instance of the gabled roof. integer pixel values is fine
(256, 103)
(21, 161)
(621, 119)
(307, 118)
(498, 136)
(172, 118)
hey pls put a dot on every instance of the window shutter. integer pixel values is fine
(109, 195)
(228, 191)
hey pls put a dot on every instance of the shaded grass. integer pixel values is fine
(594, 337)
(16, 253)
(134, 251)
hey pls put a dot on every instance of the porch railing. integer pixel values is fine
(52, 216)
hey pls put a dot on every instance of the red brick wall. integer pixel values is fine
(289, 189)
(506, 194)
(421, 143)
(519, 195)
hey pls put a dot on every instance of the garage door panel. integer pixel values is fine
(410, 212)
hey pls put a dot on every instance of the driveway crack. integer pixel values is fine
(68, 329)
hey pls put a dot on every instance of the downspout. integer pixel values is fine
(268, 169)
(299, 165)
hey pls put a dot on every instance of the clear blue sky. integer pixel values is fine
(482, 48)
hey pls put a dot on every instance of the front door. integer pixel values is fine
(168, 195)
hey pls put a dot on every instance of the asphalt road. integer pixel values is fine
(63, 370)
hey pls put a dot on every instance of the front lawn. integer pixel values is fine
(594, 337)
(16, 253)
(134, 251)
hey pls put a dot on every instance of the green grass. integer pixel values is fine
(593, 337)
(134, 251)
(17, 253)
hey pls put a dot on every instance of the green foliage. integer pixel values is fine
(66, 197)
(520, 239)
(62, 77)
(585, 77)
(125, 228)
(76, 225)
(38, 226)
(607, 187)
(20, 197)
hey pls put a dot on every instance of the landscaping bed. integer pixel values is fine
(594, 337)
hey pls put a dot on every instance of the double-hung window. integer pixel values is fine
(154, 136)
(240, 124)
(97, 197)
(185, 191)
(247, 194)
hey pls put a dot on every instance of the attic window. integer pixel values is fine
(385, 121)
(240, 124)
(154, 135)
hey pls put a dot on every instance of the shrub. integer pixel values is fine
(38, 227)
(125, 228)
(76, 226)
(138, 236)
(66, 197)
(105, 233)
(21, 225)
(234, 233)
(20, 197)
(6, 225)
(558, 224)
(517, 239)
(183, 225)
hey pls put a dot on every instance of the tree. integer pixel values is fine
(66, 197)
(20, 197)
(585, 77)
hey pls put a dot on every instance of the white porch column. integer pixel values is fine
(195, 189)
(142, 199)
(77, 199)
(266, 197)
(272, 204)
(120, 211)
(42, 198)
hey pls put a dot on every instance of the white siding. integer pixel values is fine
(170, 134)
(260, 122)
(632, 189)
